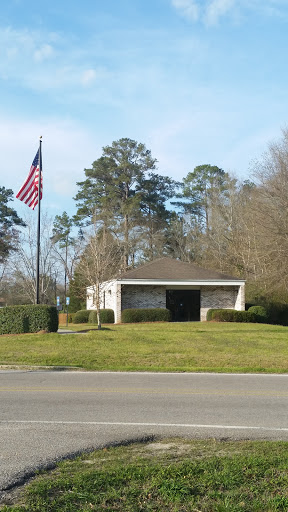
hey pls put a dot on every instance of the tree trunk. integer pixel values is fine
(126, 242)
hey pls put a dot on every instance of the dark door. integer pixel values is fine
(184, 305)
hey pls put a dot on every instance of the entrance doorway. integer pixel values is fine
(184, 305)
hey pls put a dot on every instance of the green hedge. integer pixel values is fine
(81, 317)
(210, 314)
(277, 312)
(71, 317)
(146, 315)
(106, 316)
(31, 318)
(230, 315)
(260, 313)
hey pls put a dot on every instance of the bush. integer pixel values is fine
(71, 317)
(31, 318)
(260, 313)
(106, 316)
(210, 314)
(81, 317)
(230, 315)
(277, 312)
(146, 315)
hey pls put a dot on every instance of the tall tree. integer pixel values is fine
(63, 241)
(8, 220)
(184, 239)
(93, 196)
(155, 191)
(271, 215)
(202, 188)
(109, 194)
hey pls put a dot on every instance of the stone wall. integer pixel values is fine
(224, 297)
(146, 296)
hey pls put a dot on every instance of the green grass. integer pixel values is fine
(171, 475)
(183, 347)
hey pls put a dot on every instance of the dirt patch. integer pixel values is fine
(165, 447)
(11, 497)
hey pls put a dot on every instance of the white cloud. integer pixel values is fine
(43, 53)
(67, 149)
(88, 77)
(216, 9)
(188, 8)
(25, 43)
(211, 11)
(24, 50)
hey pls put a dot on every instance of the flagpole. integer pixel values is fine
(38, 223)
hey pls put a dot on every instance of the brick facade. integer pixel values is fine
(118, 297)
(219, 297)
(145, 296)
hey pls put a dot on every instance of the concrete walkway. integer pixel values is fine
(67, 331)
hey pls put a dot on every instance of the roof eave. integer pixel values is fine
(183, 282)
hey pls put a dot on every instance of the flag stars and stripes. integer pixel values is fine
(28, 193)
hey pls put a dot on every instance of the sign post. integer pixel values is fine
(67, 304)
(59, 306)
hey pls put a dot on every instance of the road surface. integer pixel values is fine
(48, 415)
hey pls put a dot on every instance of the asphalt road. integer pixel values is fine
(45, 415)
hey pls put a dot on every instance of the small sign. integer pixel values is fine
(59, 307)
(58, 301)
(67, 301)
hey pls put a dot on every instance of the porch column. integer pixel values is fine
(240, 299)
(117, 308)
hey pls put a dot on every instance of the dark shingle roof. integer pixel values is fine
(171, 269)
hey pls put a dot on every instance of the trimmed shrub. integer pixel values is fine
(71, 318)
(134, 315)
(106, 316)
(230, 315)
(210, 314)
(260, 313)
(81, 317)
(277, 312)
(29, 318)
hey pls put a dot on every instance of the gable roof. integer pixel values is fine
(171, 269)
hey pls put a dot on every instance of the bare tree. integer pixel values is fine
(67, 246)
(271, 213)
(99, 263)
(24, 261)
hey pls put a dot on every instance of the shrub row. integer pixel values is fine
(260, 312)
(31, 318)
(277, 312)
(81, 316)
(106, 316)
(228, 315)
(254, 314)
(87, 315)
(146, 315)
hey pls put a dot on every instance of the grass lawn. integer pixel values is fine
(218, 347)
(169, 475)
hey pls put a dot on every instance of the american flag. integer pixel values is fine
(28, 193)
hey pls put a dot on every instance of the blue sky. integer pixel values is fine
(197, 81)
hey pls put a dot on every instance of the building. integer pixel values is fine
(185, 288)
